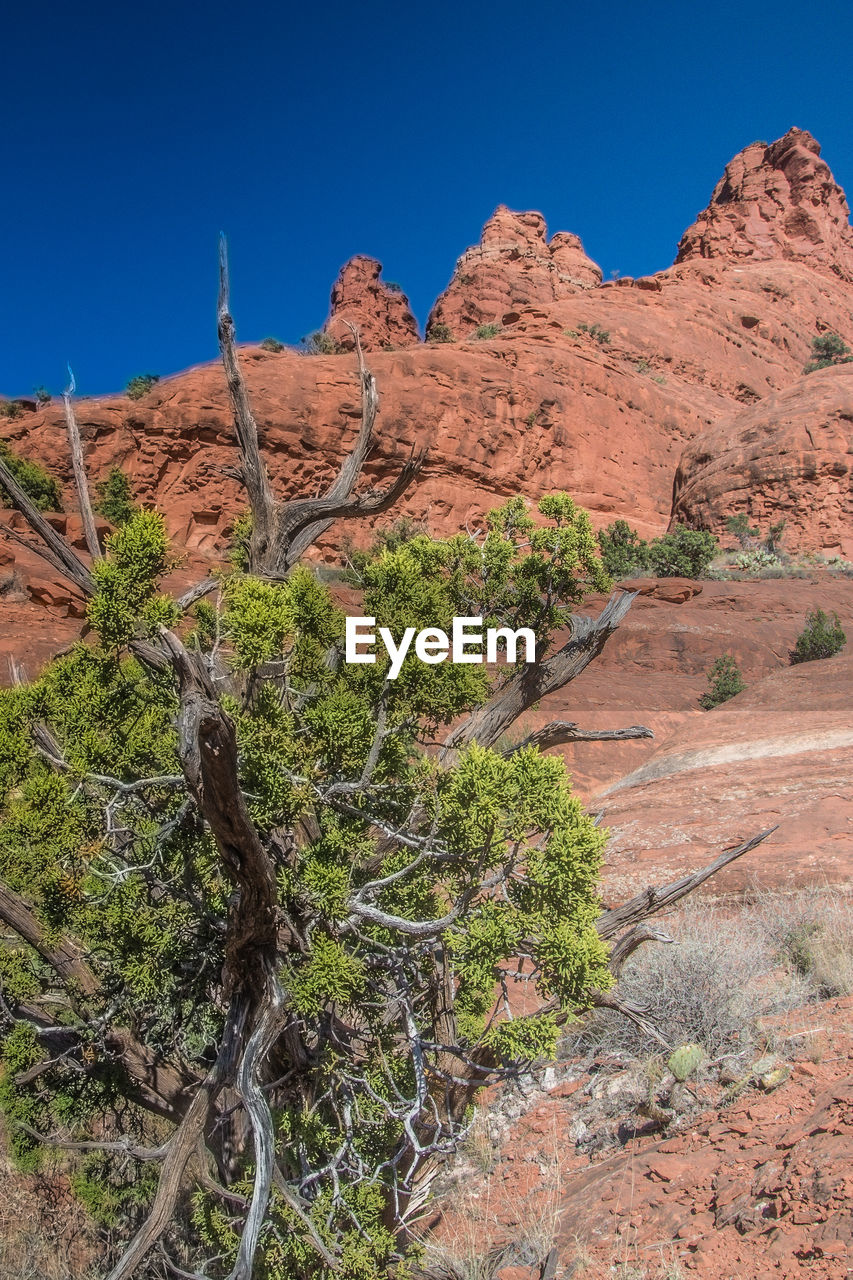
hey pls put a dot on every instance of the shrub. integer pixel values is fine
(812, 934)
(439, 332)
(757, 560)
(739, 525)
(623, 551)
(36, 483)
(724, 682)
(601, 336)
(320, 343)
(487, 331)
(828, 349)
(141, 385)
(115, 498)
(821, 638)
(682, 553)
(272, 344)
(392, 286)
(42, 396)
(11, 409)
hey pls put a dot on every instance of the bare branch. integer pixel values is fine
(559, 732)
(77, 466)
(531, 683)
(72, 566)
(253, 470)
(64, 956)
(650, 901)
(630, 941)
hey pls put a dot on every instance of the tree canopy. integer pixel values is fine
(268, 912)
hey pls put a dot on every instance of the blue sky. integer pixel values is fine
(132, 134)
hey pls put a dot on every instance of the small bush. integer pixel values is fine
(828, 349)
(42, 396)
(757, 561)
(739, 525)
(36, 483)
(682, 553)
(272, 344)
(320, 343)
(11, 409)
(115, 498)
(811, 932)
(724, 682)
(392, 286)
(821, 638)
(623, 551)
(601, 336)
(141, 385)
(486, 331)
(439, 333)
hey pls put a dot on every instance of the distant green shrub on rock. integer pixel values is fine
(623, 551)
(682, 553)
(601, 336)
(320, 343)
(115, 498)
(272, 344)
(724, 682)
(36, 483)
(828, 349)
(140, 385)
(439, 333)
(487, 331)
(822, 637)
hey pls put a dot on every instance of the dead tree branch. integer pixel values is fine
(80, 482)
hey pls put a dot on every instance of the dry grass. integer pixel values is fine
(44, 1232)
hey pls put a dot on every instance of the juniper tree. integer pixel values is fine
(265, 910)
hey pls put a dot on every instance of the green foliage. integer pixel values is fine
(36, 483)
(739, 525)
(111, 851)
(126, 579)
(272, 344)
(682, 553)
(241, 539)
(822, 637)
(11, 409)
(828, 349)
(623, 551)
(140, 385)
(115, 498)
(439, 332)
(724, 682)
(42, 396)
(486, 331)
(601, 336)
(320, 343)
(393, 286)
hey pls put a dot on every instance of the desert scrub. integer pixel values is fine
(486, 331)
(811, 932)
(115, 498)
(140, 385)
(439, 333)
(724, 681)
(623, 551)
(596, 332)
(710, 987)
(822, 637)
(320, 343)
(272, 344)
(36, 483)
(828, 349)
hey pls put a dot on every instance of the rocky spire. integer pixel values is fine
(778, 201)
(380, 311)
(513, 266)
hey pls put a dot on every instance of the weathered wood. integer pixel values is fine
(559, 732)
(652, 900)
(60, 554)
(80, 482)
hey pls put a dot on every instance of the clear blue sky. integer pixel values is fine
(132, 134)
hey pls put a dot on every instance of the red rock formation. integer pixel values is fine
(381, 313)
(777, 201)
(514, 267)
(788, 457)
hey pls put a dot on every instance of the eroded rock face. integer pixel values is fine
(380, 312)
(777, 201)
(790, 458)
(513, 267)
